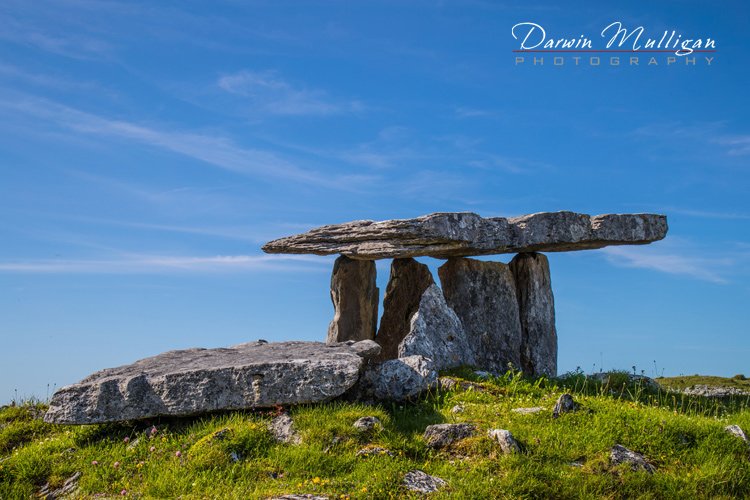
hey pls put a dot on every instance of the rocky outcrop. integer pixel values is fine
(437, 333)
(399, 379)
(465, 234)
(195, 381)
(355, 301)
(483, 295)
(408, 281)
(619, 455)
(536, 306)
(442, 435)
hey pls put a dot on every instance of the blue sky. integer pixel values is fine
(149, 149)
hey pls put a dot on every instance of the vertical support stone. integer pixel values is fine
(355, 300)
(483, 295)
(537, 312)
(407, 283)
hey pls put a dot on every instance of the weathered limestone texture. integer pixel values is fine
(437, 333)
(537, 312)
(483, 295)
(408, 281)
(355, 301)
(465, 234)
(196, 381)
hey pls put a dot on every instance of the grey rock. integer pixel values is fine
(367, 424)
(437, 333)
(505, 439)
(407, 283)
(450, 384)
(737, 431)
(537, 313)
(68, 487)
(708, 391)
(458, 409)
(305, 496)
(374, 451)
(421, 482)
(195, 381)
(399, 379)
(565, 404)
(483, 295)
(355, 301)
(621, 455)
(368, 349)
(282, 428)
(442, 435)
(528, 411)
(465, 234)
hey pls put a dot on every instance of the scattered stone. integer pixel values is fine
(368, 349)
(355, 301)
(399, 379)
(407, 283)
(374, 451)
(737, 431)
(306, 496)
(436, 333)
(68, 487)
(537, 313)
(458, 409)
(197, 381)
(442, 435)
(528, 411)
(564, 404)
(420, 482)
(282, 428)
(483, 295)
(367, 424)
(506, 440)
(463, 234)
(708, 391)
(132, 444)
(621, 455)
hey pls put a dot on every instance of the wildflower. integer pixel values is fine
(178, 454)
(316, 480)
(126, 440)
(124, 492)
(364, 489)
(94, 462)
(152, 432)
(152, 449)
(116, 465)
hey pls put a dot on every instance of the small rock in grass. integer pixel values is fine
(458, 409)
(306, 496)
(282, 428)
(374, 451)
(565, 404)
(621, 455)
(506, 440)
(442, 435)
(367, 424)
(416, 480)
(528, 411)
(737, 431)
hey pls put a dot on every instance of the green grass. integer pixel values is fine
(682, 382)
(681, 436)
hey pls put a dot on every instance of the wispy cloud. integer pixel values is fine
(157, 264)
(737, 145)
(267, 92)
(215, 150)
(654, 258)
(466, 112)
(706, 133)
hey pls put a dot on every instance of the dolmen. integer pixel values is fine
(488, 315)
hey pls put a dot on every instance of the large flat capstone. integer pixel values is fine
(462, 234)
(195, 381)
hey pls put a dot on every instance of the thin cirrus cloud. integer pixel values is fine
(670, 262)
(160, 264)
(267, 92)
(215, 150)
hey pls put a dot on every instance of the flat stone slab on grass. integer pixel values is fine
(194, 381)
(463, 234)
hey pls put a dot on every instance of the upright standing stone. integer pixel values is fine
(408, 281)
(483, 295)
(436, 333)
(355, 300)
(537, 311)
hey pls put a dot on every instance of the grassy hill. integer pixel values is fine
(234, 456)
